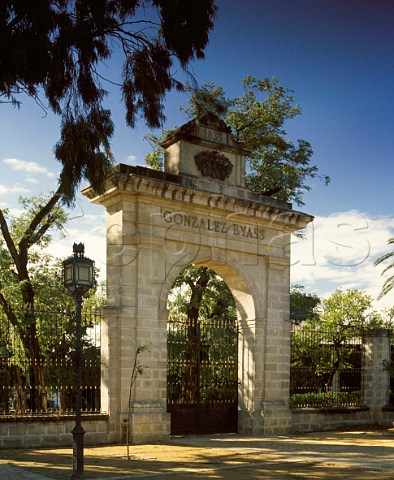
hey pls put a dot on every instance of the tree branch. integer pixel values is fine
(9, 311)
(8, 239)
(30, 232)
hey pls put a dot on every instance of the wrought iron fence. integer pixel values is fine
(44, 383)
(202, 376)
(202, 362)
(326, 368)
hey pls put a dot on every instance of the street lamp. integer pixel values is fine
(78, 278)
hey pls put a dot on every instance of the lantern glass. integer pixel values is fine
(78, 274)
(68, 274)
(85, 274)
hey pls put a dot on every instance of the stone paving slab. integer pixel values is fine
(356, 455)
(8, 472)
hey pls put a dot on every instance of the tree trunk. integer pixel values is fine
(192, 369)
(20, 407)
(65, 403)
(192, 377)
(40, 223)
(38, 397)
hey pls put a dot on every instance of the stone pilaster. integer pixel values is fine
(376, 380)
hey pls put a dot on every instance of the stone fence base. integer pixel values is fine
(43, 432)
(313, 419)
(54, 431)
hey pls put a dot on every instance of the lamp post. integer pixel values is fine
(78, 278)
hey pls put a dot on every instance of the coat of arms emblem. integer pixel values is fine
(213, 164)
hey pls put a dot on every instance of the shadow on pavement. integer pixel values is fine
(357, 455)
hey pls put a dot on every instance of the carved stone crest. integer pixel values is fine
(213, 164)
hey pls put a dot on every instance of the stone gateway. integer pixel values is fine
(195, 212)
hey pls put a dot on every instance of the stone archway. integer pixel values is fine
(197, 211)
(240, 286)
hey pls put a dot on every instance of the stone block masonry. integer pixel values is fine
(196, 212)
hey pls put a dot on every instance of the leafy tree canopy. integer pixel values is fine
(199, 293)
(276, 166)
(329, 340)
(349, 310)
(54, 48)
(302, 305)
(29, 277)
(20, 245)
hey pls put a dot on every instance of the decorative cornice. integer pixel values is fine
(279, 215)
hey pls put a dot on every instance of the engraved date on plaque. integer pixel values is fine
(213, 135)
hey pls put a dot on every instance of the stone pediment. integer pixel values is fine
(190, 129)
(205, 148)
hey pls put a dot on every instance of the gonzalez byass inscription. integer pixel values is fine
(217, 226)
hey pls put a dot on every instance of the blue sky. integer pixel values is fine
(338, 58)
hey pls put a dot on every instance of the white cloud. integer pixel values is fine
(132, 160)
(4, 190)
(339, 252)
(32, 180)
(30, 168)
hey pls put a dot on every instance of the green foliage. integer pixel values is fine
(302, 305)
(59, 354)
(53, 221)
(84, 151)
(155, 159)
(207, 98)
(56, 336)
(326, 353)
(350, 309)
(322, 400)
(21, 245)
(202, 338)
(30, 281)
(388, 285)
(275, 165)
(212, 297)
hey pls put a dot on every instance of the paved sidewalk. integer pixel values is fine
(356, 455)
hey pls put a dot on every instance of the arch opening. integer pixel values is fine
(202, 354)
